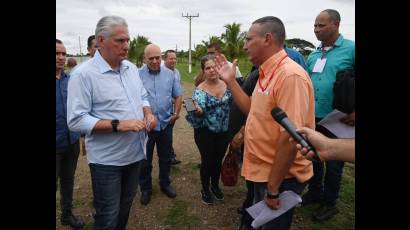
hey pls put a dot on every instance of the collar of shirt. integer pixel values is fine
(104, 67)
(63, 75)
(338, 42)
(265, 70)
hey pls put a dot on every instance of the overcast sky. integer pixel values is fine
(162, 23)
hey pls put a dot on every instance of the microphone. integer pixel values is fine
(280, 116)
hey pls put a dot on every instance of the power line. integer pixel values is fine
(190, 18)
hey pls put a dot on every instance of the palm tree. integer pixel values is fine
(136, 51)
(200, 51)
(234, 40)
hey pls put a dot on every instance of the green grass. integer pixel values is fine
(175, 171)
(88, 226)
(178, 217)
(345, 219)
(185, 75)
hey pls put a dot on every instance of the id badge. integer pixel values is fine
(319, 65)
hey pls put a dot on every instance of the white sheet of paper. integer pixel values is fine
(262, 214)
(319, 65)
(333, 124)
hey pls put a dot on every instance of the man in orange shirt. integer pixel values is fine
(270, 162)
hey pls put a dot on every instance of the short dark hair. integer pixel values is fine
(167, 52)
(216, 46)
(59, 41)
(274, 25)
(334, 15)
(90, 40)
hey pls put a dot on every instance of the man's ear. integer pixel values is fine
(269, 38)
(99, 39)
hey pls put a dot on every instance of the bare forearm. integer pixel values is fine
(284, 158)
(178, 104)
(242, 100)
(103, 126)
(342, 149)
(147, 110)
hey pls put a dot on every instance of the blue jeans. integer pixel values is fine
(163, 141)
(329, 188)
(285, 220)
(114, 188)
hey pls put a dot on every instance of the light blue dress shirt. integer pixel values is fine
(175, 71)
(161, 88)
(95, 92)
(340, 57)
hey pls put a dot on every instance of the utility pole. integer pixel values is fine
(79, 42)
(190, 18)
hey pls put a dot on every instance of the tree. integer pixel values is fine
(200, 51)
(303, 46)
(136, 51)
(132, 52)
(233, 39)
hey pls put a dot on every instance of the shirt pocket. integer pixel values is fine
(110, 93)
(264, 105)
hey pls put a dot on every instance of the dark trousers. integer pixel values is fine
(246, 218)
(283, 221)
(329, 188)
(114, 188)
(163, 141)
(212, 147)
(173, 155)
(66, 163)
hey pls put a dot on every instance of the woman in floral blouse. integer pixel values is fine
(210, 122)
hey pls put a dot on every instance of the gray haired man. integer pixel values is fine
(108, 102)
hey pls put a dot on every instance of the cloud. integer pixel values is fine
(162, 23)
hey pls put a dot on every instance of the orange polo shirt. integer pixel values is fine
(291, 89)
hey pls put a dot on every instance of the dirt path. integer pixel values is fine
(186, 211)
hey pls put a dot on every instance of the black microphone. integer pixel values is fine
(280, 116)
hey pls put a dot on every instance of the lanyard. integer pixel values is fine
(271, 76)
(324, 51)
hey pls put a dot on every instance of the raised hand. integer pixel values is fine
(225, 71)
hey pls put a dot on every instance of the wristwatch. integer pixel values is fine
(114, 124)
(271, 196)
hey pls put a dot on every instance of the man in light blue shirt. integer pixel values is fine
(334, 53)
(170, 62)
(162, 87)
(107, 102)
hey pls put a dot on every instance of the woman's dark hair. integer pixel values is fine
(206, 58)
